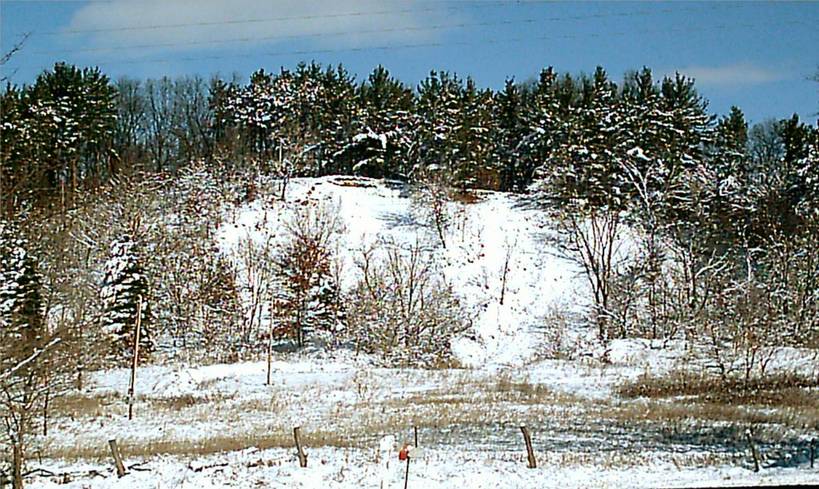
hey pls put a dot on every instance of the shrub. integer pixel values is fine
(403, 309)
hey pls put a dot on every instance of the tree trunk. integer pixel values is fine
(45, 412)
(269, 344)
(17, 470)
(135, 363)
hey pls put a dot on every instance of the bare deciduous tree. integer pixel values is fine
(592, 240)
(431, 203)
(402, 308)
(8, 55)
(309, 297)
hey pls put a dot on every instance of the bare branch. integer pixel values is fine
(28, 360)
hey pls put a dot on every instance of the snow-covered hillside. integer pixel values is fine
(224, 425)
(485, 236)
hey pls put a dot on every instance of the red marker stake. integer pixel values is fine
(403, 454)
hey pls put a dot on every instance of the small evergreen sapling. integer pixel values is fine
(124, 284)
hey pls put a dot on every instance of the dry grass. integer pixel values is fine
(206, 446)
(455, 400)
(466, 196)
(343, 181)
(465, 401)
(179, 403)
(781, 390)
(788, 400)
(682, 412)
(503, 389)
(77, 406)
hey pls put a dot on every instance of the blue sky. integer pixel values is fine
(756, 55)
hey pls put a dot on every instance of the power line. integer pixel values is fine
(456, 5)
(719, 27)
(489, 3)
(249, 39)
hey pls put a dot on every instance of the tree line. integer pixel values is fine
(76, 128)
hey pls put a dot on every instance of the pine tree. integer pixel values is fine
(21, 318)
(782, 176)
(510, 132)
(76, 109)
(24, 365)
(583, 166)
(439, 113)
(730, 202)
(546, 121)
(124, 285)
(470, 164)
(384, 128)
(337, 112)
(15, 149)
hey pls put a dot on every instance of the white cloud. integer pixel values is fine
(393, 20)
(732, 75)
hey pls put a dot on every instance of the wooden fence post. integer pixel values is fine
(812, 452)
(530, 453)
(117, 457)
(132, 385)
(269, 344)
(754, 452)
(299, 451)
(415, 429)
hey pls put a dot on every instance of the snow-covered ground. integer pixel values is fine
(457, 469)
(223, 426)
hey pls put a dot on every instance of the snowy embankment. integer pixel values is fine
(484, 238)
(223, 426)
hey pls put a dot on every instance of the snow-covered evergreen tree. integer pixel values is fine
(24, 363)
(471, 163)
(281, 119)
(382, 142)
(438, 110)
(77, 106)
(509, 118)
(333, 117)
(123, 286)
(543, 117)
(21, 320)
(583, 165)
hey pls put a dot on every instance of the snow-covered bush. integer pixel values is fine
(749, 319)
(432, 204)
(403, 309)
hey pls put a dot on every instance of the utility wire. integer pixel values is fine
(455, 5)
(490, 41)
(459, 25)
(250, 39)
(460, 6)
